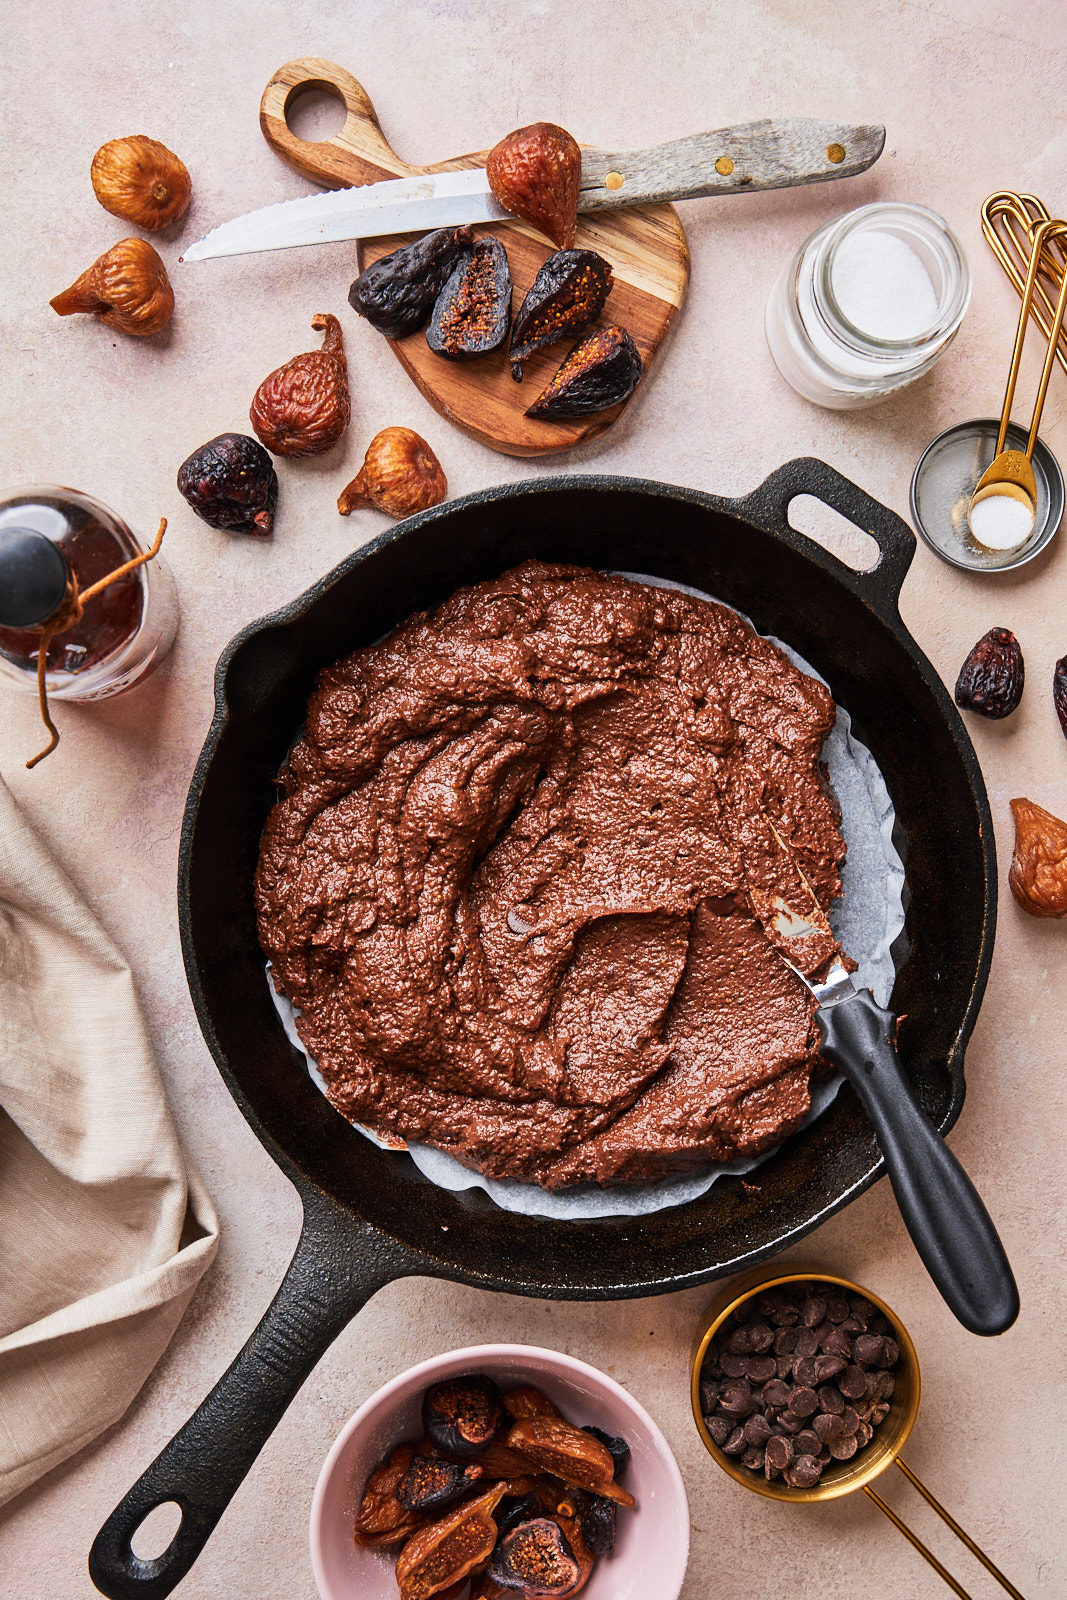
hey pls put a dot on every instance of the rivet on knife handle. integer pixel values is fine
(749, 156)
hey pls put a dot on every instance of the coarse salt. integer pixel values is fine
(882, 287)
(1000, 522)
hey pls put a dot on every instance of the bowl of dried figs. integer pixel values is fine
(499, 1470)
(805, 1386)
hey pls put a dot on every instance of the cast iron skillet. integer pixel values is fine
(369, 1216)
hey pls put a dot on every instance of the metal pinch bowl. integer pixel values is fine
(890, 1437)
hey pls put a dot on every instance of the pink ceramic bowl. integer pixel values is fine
(653, 1539)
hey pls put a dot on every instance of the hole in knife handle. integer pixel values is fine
(154, 1536)
(315, 112)
(849, 543)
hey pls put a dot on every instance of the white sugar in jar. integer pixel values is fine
(870, 302)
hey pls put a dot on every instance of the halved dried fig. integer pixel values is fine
(991, 679)
(568, 1453)
(1059, 693)
(536, 173)
(600, 372)
(540, 1560)
(433, 1484)
(567, 294)
(472, 313)
(396, 293)
(382, 1520)
(1038, 873)
(463, 1415)
(449, 1549)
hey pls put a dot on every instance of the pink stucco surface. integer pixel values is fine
(972, 98)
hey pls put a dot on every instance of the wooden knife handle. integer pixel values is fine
(752, 155)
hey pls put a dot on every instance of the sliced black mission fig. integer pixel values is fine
(463, 1415)
(566, 296)
(396, 293)
(538, 1559)
(600, 372)
(432, 1484)
(472, 314)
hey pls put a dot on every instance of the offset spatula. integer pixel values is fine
(942, 1211)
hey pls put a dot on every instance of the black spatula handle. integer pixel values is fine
(942, 1211)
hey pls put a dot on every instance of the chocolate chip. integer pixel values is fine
(837, 1343)
(709, 1393)
(784, 1366)
(760, 1368)
(720, 1429)
(843, 1449)
(735, 1443)
(849, 1420)
(879, 1413)
(836, 1306)
(785, 1341)
(853, 1383)
(807, 1442)
(803, 1473)
(852, 1326)
(813, 1311)
(892, 1353)
(775, 1393)
(807, 1344)
(753, 1458)
(779, 1452)
(785, 1314)
(734, 1366)
(830, 1399)
(827, 1426)
(860, 1307)
(760, 1337)
(757, 1430)
(804, 1402)
(737, 1343)
(884, 1387)
(789, 1422)
(827, 1367)
(864, 1434)
(804, 1372)
(869, 1350)
(736, 1399)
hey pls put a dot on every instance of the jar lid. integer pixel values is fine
(33, 577)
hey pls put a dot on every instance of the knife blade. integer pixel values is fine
(749, 157)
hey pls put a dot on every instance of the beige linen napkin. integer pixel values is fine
(105, 1229)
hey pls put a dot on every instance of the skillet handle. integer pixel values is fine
(949, 1225)
(338, 1264)
(769, 505)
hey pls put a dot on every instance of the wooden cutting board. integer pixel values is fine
(644, 244)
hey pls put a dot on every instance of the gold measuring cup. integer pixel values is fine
(883, 1451)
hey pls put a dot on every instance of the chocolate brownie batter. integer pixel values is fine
(506, 885)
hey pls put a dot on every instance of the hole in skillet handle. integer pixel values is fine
(880, 584)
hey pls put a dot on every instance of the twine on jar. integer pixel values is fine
(67, 615)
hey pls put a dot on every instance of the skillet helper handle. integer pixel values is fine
(336, 1268)
(942, 1211)
(881, 584)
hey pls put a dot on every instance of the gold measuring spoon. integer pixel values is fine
(1010, 475)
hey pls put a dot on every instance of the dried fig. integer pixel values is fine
(473, 311)
(991, 678)
(400, 474)
(381, 1519)
(569, 1453)
(396, 293)
(567, 294)
(528, 1402)
(536, 173)
(616, 1447)
(141, 181)
(463, 1415)
(540, 1559)
(448, 1550)
(230, 482)
(431, 1484)
(1038, 873)
(600, 372)
(1059, 692)
(127, 287)
(302, 409)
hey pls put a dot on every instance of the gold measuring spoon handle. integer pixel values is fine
(1047, 231)
(1008, 221)
(928, 1555)
(1020, 333)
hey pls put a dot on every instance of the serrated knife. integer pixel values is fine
(749, 157)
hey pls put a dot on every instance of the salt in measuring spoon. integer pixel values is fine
(1009, 480)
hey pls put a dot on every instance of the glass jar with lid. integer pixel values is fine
(49, 535)
(870, 302)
